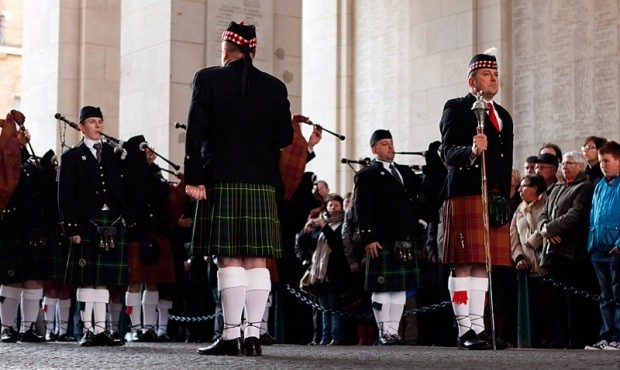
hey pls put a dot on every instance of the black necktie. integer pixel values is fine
(97, 147)
(394, 173)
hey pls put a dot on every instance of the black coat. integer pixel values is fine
(147, 193)
(81, 186)
(458, 127)
(385, 209)
(235, 138)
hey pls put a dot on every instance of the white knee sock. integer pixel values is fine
(30, 307)
(86, 297)
(114, 316)
(133, 302)
(62, 318)
(149, 309)
(264, 325)
(397, 305)
(477, 293)
(381, 308)
(232, 283)
(102, 298)
(259, 286)
(9, 303)
(49, 313)
(459, 287)
(163, 308)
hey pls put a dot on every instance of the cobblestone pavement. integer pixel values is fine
(184, 356)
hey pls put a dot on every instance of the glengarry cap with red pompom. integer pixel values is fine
(240, 34)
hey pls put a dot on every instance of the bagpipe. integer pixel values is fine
(293, 158)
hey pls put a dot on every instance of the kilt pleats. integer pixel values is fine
(237, 220)
(464, 234)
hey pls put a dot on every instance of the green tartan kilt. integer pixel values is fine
(237, 220)
(87, 264)
(384, 274)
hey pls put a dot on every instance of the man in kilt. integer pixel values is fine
(463, 224)
(24, 239)
(92, 200)
(385, 203)
(238, 121)
(56, 302)
(148, 248)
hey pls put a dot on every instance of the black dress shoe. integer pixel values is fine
(267, 340)
(9, 335)
(115, 339)
(499, 344)
(470, 340)
(66, 337)
(31, 336)
(222, 347)
(134, 335)
(88, 340)
(148, 336)
(251, 346)
(398, 340)
(51, 337)
(387, 340)
(164, 338)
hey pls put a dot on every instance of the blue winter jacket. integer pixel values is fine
(605, 217)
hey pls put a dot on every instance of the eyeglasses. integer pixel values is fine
(587, 147)
(568, 163)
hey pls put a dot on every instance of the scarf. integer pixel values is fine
(320, 257)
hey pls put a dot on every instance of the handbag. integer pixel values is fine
(149, 252)
(305, 285)
(499, 210)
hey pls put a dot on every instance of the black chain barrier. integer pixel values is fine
(302, 297)
(571, 290)
(194, 319)
(434, 307)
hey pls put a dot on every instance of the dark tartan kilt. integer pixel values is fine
(384, 274)
(238, 220)
(160, 272)
(20, 260)
(57, 256)
(87, 265)
(47, 263)
(463, 229)
(11, 266)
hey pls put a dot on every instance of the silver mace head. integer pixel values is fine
(480, 108)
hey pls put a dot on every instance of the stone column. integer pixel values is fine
(71, 59)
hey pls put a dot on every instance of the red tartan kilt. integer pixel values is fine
(463, 234)
(160, 272)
